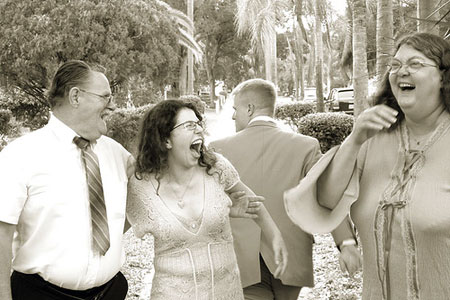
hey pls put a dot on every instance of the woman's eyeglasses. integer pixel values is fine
(411, 66)
(190, 125)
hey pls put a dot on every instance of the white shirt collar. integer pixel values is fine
(63, 132)
(262, 118)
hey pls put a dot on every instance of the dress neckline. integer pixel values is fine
(192, 225)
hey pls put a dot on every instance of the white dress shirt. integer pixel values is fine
(262, 118)
(43, 190)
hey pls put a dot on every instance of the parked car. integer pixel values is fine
(341, 99)
(310, 95)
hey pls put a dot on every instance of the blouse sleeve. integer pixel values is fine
(301, 202)
(136, 209)
(229, 177)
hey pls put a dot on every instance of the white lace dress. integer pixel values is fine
(194, 259)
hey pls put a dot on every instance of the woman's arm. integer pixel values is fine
(336, 177)
(269, 230)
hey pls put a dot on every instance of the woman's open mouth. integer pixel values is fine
(196, 147)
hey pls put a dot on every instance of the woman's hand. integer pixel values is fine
(281, 254)
(371, 121)
(245, 206)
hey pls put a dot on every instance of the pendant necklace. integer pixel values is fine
(180, 200)
(418, 142)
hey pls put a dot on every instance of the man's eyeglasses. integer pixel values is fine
(190, 125)
(107, 98)
(412, 66)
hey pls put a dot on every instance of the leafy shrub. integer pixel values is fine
(123, 125)
(3, 141)
(329, 128)
(27, 110)
(5, 116)
(292, 113)
(199, 104)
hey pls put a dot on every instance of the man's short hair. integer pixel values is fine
(263, 90)
(68, 75)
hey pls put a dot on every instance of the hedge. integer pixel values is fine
(292, 113)
(123, 125)
(329, 128)
(5, 117)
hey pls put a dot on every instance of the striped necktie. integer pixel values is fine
(100, 231)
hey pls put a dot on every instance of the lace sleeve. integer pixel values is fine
(229, 176)
(136, 209)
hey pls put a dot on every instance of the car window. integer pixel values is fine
(345, 95)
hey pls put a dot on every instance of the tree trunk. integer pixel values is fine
(182, 82)
(298, 34)
(318, 55)
(385, 36)
(270, 58)
(425, 8)
(190, 81)
(360, 73)
(311, 57)
(346, 58)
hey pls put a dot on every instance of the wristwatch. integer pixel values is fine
(346, 242)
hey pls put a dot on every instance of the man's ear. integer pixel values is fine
(250, 109)
(74, 97)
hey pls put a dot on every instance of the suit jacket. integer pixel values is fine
(270, 161)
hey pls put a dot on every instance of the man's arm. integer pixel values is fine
(6, 238)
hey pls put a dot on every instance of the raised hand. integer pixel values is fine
(371, 121)
(245, 206)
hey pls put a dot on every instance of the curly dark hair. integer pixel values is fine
(435, 48)
(155, 130)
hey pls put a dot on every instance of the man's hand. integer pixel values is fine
(245, 206)
(281, 255)
(350, 259)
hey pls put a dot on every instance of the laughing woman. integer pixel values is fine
(179, 195)
(392, 174)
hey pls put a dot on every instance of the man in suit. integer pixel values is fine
(270, 161)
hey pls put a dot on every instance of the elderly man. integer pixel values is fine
(270, 161)
(63, 195)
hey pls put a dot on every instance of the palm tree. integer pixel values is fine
(259, 19)
(298, 52)
(360, 73)
(318, 54)
(385, 36)
(186, 30)
(427, 9)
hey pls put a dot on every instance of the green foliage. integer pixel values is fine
(137, 92)
(128, 37)
(199, 104)
(123, 125)
(5, 116)
(224, 51)
(292, 113)
(329, 128)
(26, 109)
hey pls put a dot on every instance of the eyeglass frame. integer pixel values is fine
(408, 66)
(186, 126)
(108, 99)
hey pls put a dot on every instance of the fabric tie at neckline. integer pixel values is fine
(100, 230)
